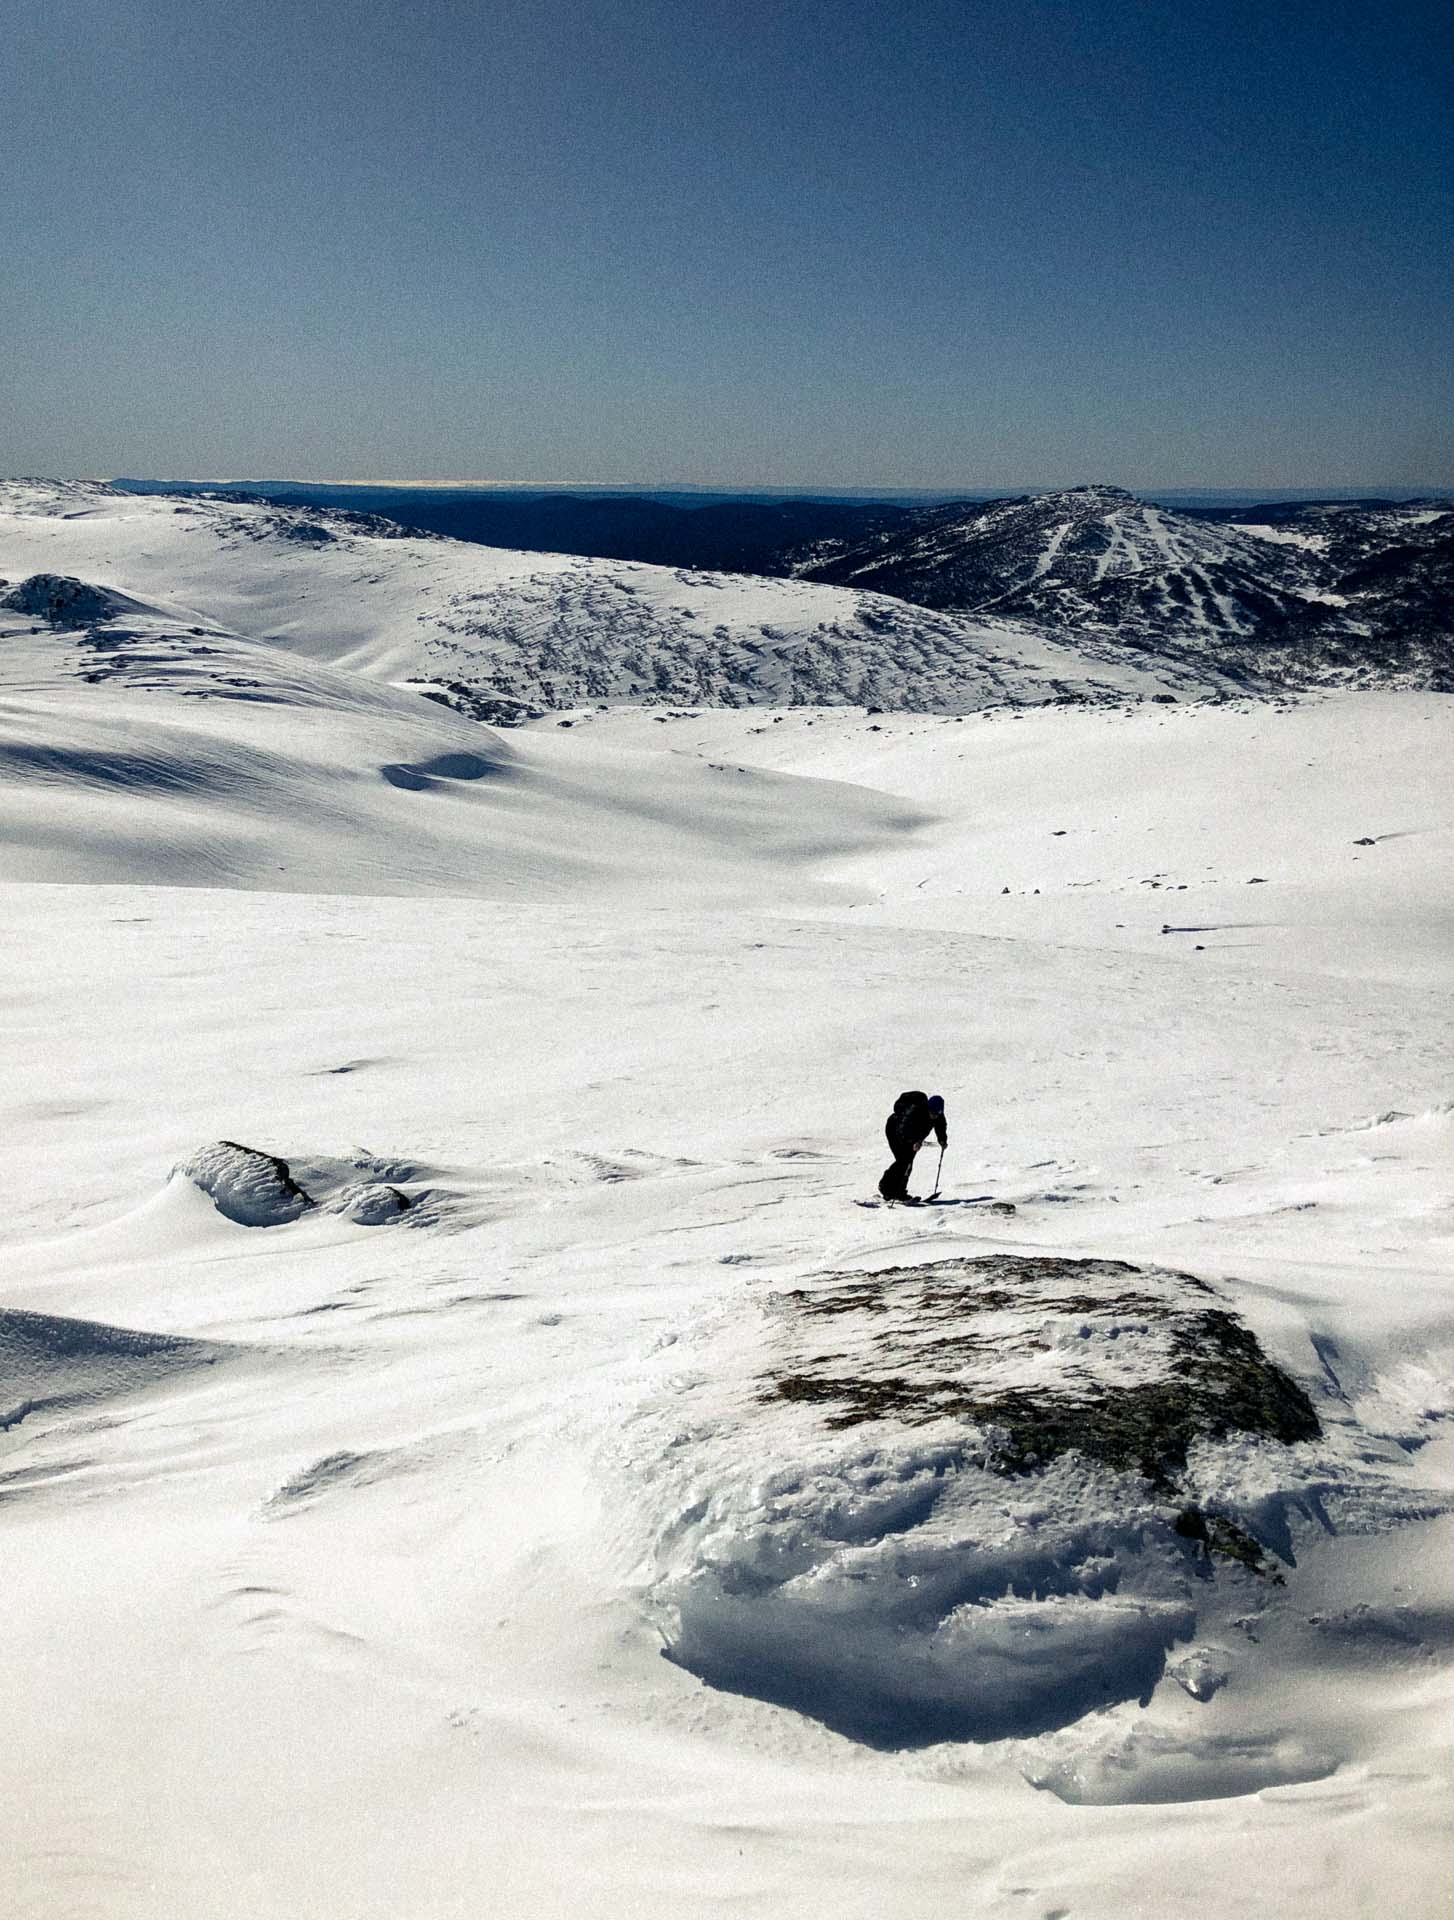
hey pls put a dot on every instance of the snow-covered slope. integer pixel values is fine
(1316, 595)
(135, 747)
(435, 1285)
(490, 628)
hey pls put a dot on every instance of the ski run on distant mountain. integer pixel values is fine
(1324, 593)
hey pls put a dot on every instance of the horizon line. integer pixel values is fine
(700, 486)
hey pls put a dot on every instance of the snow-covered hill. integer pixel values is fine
(495, 631)
(133, 746)
(1316, 595)
(1081, 557)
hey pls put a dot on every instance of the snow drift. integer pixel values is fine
(49, 1362)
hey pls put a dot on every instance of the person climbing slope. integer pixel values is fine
(914, 1118)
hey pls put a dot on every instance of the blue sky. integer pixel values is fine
(984, 243)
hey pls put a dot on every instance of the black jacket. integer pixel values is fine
(911, 1123)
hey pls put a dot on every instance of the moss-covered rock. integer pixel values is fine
(1041, 1356)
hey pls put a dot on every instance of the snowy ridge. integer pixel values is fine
(146, 744)
(547, 630)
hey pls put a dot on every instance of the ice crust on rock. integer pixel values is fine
(369, 1203)
(247, 1186)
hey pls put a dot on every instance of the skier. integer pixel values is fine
(914, 1118)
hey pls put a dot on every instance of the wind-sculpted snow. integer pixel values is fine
(48, 1362)
(402, 1557)
(253, 1188)
(978, 1498)
(620, 1007)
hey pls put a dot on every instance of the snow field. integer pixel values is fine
(153, 754)
(343, 1550)
(422, 1537)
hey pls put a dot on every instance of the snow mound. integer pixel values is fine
(367, 1188)
(252, 1188)
(65, 602)
(1015, 1484)
(369, 1204)
(48, 1362)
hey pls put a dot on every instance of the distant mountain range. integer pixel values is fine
(1295, 594)
(1288, 593)
(171, 589)
(720, 534)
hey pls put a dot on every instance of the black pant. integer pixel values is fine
(894, 1184)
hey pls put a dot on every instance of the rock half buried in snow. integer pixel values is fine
(63, 601)
(968, 1500)
(369, 1204)
(258, 1189)
(1124, 1365)
(253, 1188)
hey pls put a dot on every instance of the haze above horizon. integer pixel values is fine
(983, 237)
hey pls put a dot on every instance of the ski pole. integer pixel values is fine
(938, 1172)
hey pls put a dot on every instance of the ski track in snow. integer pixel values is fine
(345, 1536)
